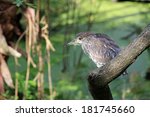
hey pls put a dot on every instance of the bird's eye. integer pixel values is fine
(79, 38)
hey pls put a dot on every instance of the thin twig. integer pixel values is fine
(49, 75)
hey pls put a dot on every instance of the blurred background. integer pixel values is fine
(122, 20)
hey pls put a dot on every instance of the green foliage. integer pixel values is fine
(19, 2)
(68, 88)
(115, 19)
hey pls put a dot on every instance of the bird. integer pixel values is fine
(99, 47)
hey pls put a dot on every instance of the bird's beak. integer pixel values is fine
(73, 42)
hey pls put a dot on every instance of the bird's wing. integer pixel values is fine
(101, 48)
(111, 49)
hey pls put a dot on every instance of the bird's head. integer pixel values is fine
(81, 37)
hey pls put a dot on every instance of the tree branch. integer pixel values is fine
(99, 78)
